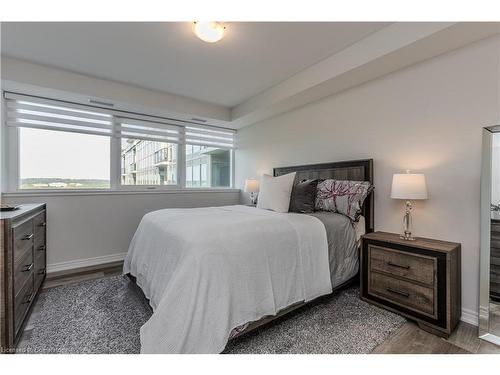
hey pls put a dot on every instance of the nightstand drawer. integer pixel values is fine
(403, 293)
(409, 266)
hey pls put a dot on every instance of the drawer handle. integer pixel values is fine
(399, 292)
(28, 237)
(42, 271)
(41, 248)
(27, 267)
(398, 265)
(42, 224)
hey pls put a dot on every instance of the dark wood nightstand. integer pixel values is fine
(418, 279)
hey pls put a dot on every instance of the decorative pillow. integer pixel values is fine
(344, 197)
(303, 196)
(274, 192)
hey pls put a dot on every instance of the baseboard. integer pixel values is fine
(469, 316)
(80, 263)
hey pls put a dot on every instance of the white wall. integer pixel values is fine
(426, 118)
(89, 229)
(58, 84)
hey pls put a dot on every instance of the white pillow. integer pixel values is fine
(275, 192)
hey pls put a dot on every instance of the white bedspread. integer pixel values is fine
(209, 270)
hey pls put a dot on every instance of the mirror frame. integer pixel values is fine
(485, 234)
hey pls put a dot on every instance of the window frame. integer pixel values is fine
(11, 140)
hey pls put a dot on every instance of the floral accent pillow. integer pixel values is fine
(344, 197)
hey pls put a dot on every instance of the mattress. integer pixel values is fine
(343, 241)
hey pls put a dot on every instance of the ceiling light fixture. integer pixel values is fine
(209, 32)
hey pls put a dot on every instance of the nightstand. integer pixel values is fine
(418, 279)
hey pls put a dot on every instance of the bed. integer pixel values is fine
(211, 274)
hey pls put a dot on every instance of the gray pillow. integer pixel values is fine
(303, 197)
(344, 197)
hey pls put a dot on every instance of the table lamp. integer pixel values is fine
(408, 186)
(252, 187)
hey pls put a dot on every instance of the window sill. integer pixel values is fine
(52, 193)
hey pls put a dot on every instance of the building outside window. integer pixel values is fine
(207, 166)
(155, 163)
(148, 162)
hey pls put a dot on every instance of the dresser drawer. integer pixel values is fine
(22, 302)
(39, 226)
(495, 228)
(403, 293)
(40, 269)
(40, 249)
(23, 269)
(495, 274)
(409, 266)
(23, 237)
(495, 256)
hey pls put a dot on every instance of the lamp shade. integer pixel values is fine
(408, 186)
(251, 186)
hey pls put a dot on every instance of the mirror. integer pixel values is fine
(489, 294)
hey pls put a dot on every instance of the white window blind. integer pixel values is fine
(220, 138)
(148, 130)
(42, 113)
(47, 114)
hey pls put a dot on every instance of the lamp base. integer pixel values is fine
(407, 223)
(407, 238)
(253, 198)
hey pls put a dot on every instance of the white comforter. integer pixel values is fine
(209, 270)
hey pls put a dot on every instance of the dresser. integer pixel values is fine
(419, 279)
(22, 263)
(495, 260)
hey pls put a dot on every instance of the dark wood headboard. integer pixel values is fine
(354, 170)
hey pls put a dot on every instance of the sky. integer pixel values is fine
(48, 153)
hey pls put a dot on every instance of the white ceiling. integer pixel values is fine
(167, 56)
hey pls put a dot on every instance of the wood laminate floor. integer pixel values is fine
(409, 339)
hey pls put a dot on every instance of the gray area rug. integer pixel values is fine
(105, 316)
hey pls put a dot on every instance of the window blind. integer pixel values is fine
(148, 130)
(49, 114)
(221, 138)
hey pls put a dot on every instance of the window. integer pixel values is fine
(60, 160)
(61, 146)
(207, 166)
(208, 157)
(148, 162)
